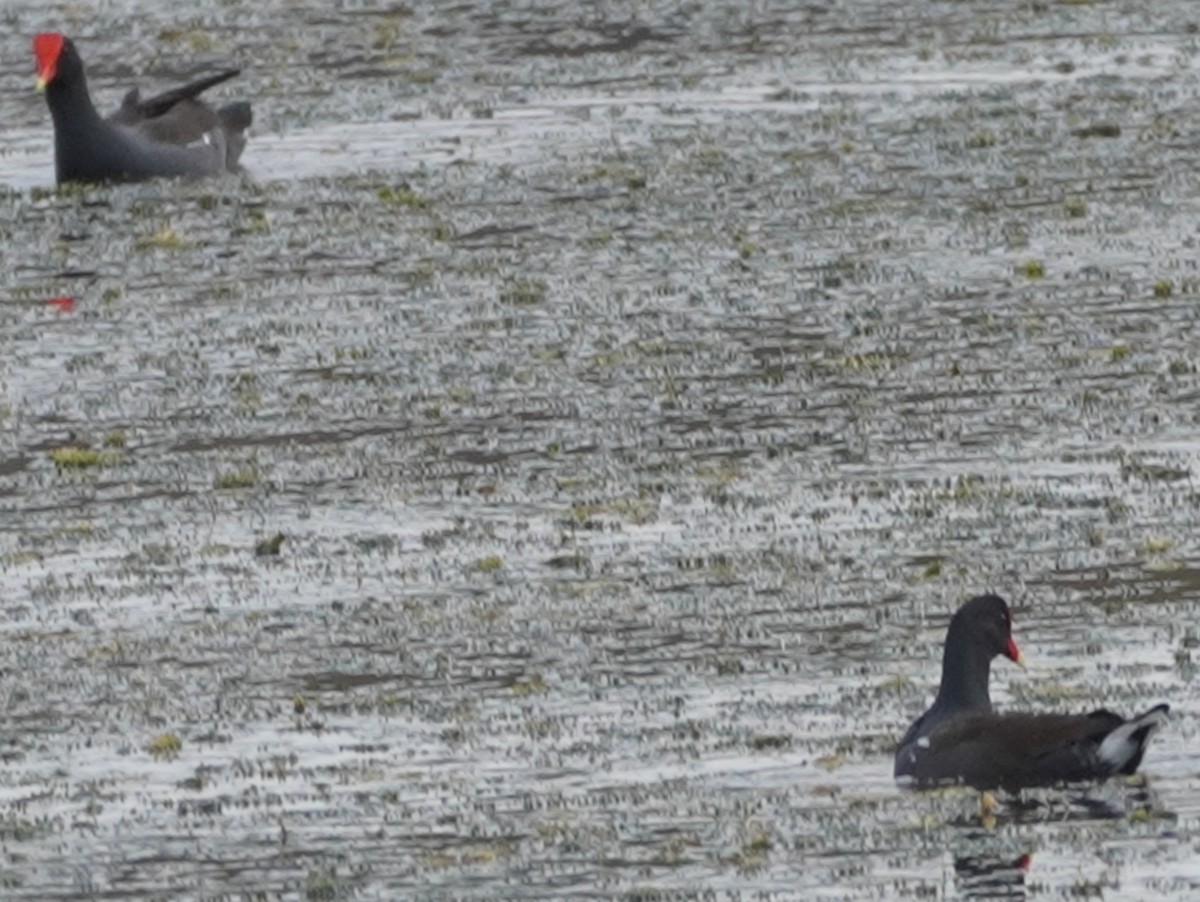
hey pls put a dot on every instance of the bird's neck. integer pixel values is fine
(964, 680)
(70, 102)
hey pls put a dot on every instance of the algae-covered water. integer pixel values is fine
(548, 472)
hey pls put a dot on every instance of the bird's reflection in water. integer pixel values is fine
(1063, 806)
(992, 877)
(983, 873)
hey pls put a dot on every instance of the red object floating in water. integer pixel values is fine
(65, 305)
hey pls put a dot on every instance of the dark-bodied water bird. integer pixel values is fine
(961, 740)
(172, 135)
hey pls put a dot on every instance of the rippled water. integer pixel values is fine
(636, 391)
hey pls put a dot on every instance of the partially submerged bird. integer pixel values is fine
(173, 134)
(961, 740)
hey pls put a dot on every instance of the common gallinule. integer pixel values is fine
(169, 135)
(960, 740)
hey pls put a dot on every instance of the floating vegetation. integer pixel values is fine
(402, 196)
(197, 40)
(1034, 269)
(754, 852)
(270, 547)
(75, 457)
(770, 742)
(165, 745)
(532, 685)
(524, 292)
(489, 564)
(982, 140)
(323, 886)
(166, 238)
(245, 478)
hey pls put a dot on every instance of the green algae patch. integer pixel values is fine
(73, 457)
(165, 746)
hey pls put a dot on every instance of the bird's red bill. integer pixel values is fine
(65, 305)
(46, 48)
(1012, 652)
